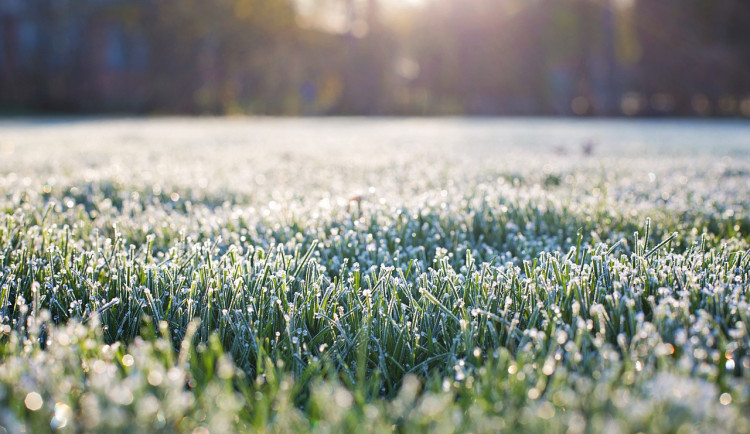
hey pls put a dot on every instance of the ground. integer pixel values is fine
(370, 275)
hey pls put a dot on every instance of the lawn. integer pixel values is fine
(204, 275)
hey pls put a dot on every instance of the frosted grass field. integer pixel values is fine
(199, 275)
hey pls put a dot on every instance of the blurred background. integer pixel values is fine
(377, 57)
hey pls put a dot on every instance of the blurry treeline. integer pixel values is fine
(582, 57)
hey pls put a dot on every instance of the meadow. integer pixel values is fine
(209, 275)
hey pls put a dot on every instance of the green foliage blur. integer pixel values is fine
(377, 57)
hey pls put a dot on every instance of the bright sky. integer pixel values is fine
(331, 14)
